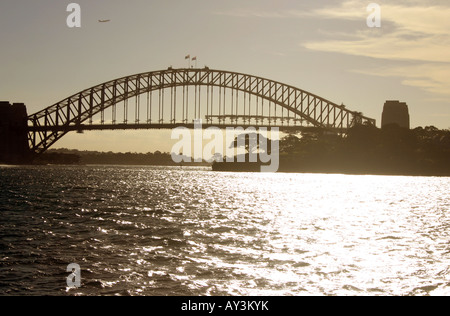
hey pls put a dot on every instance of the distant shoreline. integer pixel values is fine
(255, 168)
(76, 157)
(241, 168)
(364, 150)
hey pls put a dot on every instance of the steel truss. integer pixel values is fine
(221, 98)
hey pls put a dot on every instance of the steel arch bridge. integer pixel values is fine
(176, 97)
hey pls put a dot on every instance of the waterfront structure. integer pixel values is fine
(395, 112)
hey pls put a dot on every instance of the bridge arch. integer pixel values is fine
(298, 107)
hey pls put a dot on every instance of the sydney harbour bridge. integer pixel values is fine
(172, 98)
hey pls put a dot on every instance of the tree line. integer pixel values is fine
(366, 149)
(77, 157)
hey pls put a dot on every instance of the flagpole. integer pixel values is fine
(189, 62)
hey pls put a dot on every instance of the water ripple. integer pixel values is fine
(171, 231)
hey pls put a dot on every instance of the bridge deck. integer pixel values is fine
(100, 127)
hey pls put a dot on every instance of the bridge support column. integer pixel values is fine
(14, 148)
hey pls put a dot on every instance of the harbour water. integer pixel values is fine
(191, 231)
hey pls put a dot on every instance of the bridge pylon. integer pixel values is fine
(14, 148)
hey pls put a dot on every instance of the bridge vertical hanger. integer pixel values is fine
(186, 79)
(149, 99)
(224, 102)
(80, 113)
(125, 103)
(114, 103)
(195, 98)
(149, 120)
(91, 106)
(174, 98)
(57, 115)
(32, 136)
(175, 105)
(220, 104)
(199, 102)
(211, 103)
(249, 104)
(137, 100)
(207, 104)
(162, 106)
(184, 103)
(232, 100)
(237, 105)
(160, 90)
(46, 127)
(245, 102)
(102, 106)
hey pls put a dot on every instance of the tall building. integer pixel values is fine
(13, 133)
(395, 112)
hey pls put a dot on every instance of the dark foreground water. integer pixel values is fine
(171, 231)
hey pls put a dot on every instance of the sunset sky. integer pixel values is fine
(322, 46)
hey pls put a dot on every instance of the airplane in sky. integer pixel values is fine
(104, 21)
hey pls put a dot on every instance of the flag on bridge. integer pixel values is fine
(194, 58)
(187, 57)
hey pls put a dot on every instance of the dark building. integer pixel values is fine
(395, 112)
(13, 133)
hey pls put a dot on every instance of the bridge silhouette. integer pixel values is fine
(176, 97)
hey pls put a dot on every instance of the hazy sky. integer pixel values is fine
(322, 46)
